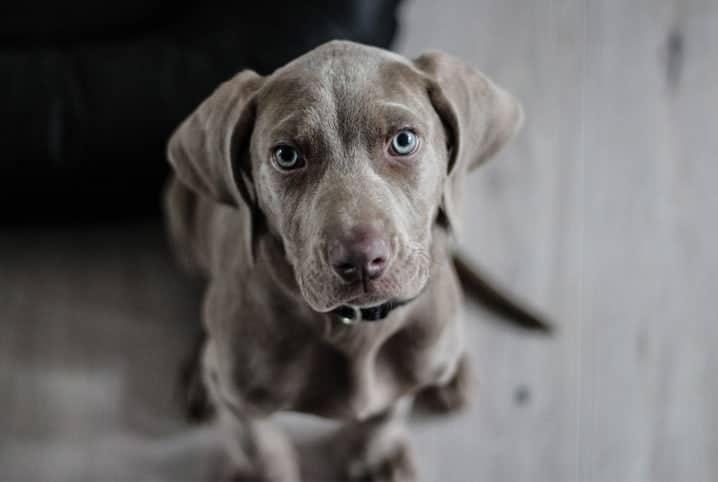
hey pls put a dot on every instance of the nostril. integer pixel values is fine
(346, 268)
(377, 262)
(375, 268)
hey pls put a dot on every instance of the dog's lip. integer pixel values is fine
(357, 298)
(359, 295)
(367, 300)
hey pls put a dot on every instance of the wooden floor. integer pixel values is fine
(603, 212)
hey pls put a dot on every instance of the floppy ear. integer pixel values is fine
(210, 149)
(479, 118)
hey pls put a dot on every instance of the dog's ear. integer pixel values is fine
(479, 118)
(210, 149)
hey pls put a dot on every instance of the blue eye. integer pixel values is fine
(287, 158)
(404, 143)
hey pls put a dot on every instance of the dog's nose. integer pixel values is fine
(361, 258)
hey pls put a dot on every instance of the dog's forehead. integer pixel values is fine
(340, 76)
(346, 62)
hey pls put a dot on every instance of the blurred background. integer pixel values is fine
(602, 213)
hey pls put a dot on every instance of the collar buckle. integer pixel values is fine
(351, 315)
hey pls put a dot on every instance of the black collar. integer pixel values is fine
(352, 314)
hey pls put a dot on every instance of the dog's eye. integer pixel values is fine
(287, 158)
(404, 143)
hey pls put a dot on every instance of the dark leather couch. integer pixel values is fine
(90, 91)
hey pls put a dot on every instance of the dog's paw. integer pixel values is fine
(260, 453)
(278, 470)
(395, 465)
(255, 476)
(454, 396)
(245, 476)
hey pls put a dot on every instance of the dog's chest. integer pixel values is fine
(356, 373)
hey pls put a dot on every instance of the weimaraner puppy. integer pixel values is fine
(320, 203)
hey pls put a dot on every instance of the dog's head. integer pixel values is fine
(349, 155)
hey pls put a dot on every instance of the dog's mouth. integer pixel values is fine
(355, 311)
(363, 295)
(352, 314)
(368, 298)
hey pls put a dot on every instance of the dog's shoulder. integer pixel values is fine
(205, 235)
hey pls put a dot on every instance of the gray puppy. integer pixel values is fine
(320, 202)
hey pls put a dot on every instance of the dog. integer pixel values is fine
(321, 203)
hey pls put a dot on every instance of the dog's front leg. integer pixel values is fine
(378, 448)
(258, 451)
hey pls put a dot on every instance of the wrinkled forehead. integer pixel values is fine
(343, 93)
